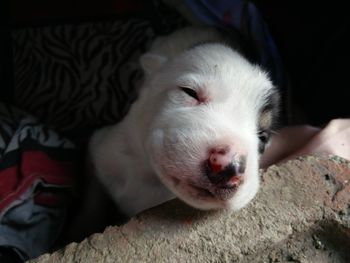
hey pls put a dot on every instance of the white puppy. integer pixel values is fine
(202, 119)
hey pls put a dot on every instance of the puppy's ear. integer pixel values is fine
(151, 62)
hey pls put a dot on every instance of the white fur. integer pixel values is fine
(158, 149)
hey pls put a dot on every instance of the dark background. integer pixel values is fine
(311, 36)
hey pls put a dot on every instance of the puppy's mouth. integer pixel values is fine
(203, 192)
(217, 193)
(208, 191)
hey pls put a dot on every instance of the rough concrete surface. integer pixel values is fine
(301, 214)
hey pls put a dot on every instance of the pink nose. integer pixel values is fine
(219, 158)
(224, 169)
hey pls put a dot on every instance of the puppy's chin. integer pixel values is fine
(211, 197)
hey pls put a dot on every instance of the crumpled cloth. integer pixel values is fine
(37, 168)
(294, 141)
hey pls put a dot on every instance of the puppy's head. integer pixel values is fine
(212, 115)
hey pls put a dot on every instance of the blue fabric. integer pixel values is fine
(31, 229)
(243, 16)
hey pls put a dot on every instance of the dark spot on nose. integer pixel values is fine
(224, 178)
(242, 164)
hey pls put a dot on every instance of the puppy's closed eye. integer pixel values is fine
(190, 92)
(266, 124)
(264, 138)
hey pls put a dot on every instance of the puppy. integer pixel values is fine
(202, 119)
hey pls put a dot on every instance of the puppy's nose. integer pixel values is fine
(222, 170)
(218, 159)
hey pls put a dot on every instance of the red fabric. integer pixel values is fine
(34, 166)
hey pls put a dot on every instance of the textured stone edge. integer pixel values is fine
(188, 233)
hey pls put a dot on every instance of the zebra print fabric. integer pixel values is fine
(78, 77)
